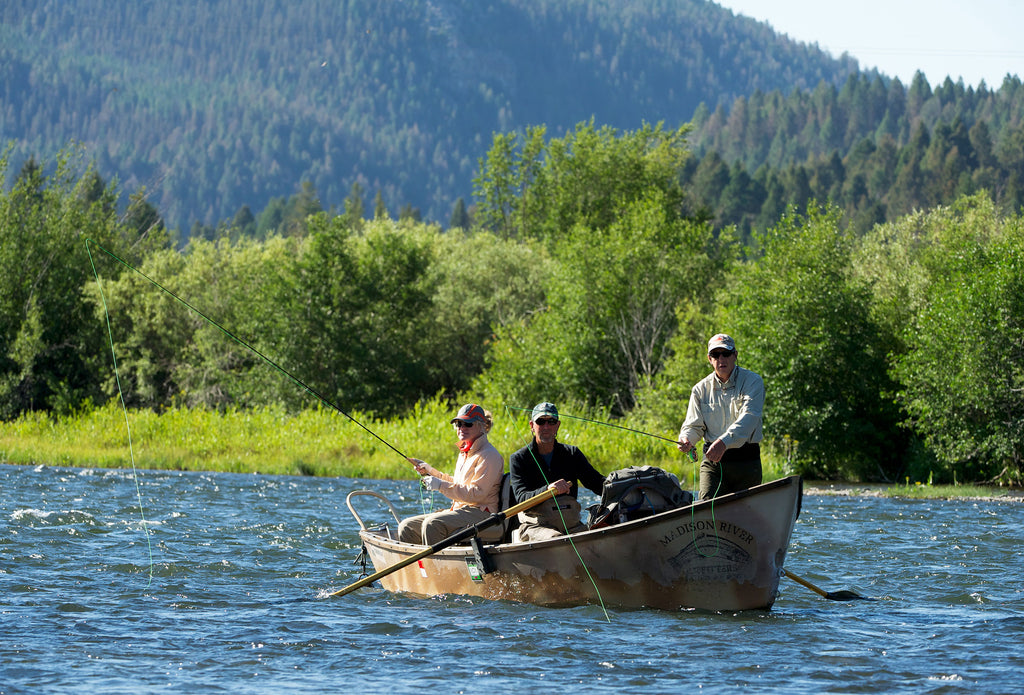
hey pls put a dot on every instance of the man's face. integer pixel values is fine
(545, 428)
(723, 362)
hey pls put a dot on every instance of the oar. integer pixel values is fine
(458, 536)
(830, 595)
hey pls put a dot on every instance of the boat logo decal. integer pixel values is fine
(711, 551)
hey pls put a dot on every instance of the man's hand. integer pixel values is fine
(716, 451)
(561, 487)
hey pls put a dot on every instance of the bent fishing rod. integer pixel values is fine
(294, 379)
(608, 424)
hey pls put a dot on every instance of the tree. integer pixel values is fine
(502, 286)
(363, 318)
(961, 374)
(460, 216)
(150, 332)
(142, 221)
(803, 323)
(604, 332)
(302, 205)
(50, 343)
(532, 189)
(170, 355)
(408, 213)
(244, 222)
(272, 217)
(355, 210)
(380, 210)
(505, 175)
(323, 346)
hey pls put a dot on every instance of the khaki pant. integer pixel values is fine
(739, 469)
(428, 529)
(551, 519)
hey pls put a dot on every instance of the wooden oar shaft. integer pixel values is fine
(842, 595)
(456, 537)
(384, 572)
(800, 580)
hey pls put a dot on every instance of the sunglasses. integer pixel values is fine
(719, 354)
(464, 424)
(545, 421)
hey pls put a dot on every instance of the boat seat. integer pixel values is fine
(507, 499)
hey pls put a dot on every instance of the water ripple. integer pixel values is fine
(234, 601)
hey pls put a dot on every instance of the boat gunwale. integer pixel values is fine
(591, 535)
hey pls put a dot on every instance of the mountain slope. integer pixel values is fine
(212, 105)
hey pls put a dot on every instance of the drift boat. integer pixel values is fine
(724, 554)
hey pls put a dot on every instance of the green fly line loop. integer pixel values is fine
(124, 409)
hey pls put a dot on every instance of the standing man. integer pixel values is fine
(547, 464)
(725, 411)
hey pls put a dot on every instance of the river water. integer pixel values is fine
(225, 595)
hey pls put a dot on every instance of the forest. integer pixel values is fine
(210, 107)
(878, 152)
(585, 278)
(220, 118)
(404, 205)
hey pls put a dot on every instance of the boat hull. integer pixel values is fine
(721, 554)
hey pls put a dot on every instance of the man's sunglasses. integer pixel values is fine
(719, 354)
(545, 421)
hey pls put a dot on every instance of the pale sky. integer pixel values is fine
(970, 39)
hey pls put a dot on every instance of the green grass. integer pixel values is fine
(941, 492)
(326, 443)
(323, 442)
(313, 442)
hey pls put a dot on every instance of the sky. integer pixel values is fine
(970, 39)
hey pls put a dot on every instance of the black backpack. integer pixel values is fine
(635, 492)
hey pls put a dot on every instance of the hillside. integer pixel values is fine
(877, 151)
(212, 106)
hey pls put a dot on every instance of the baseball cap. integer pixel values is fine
(469, 413)
(723, 341)
(542, 409)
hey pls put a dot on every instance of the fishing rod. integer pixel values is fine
(608, 424)
(323, 399)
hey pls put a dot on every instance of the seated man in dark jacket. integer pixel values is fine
(546, 464)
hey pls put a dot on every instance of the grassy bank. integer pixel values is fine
(326, 443)
(314, 442)
(924, 491)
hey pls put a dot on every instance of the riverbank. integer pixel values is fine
(328, 444)
(314, 442)
(987, 493)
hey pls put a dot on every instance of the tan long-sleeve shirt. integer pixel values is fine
(477, 479)
(729, 411)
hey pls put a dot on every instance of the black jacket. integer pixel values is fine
(530, 476)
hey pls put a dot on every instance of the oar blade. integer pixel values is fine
(842, 595)
(846, 596)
